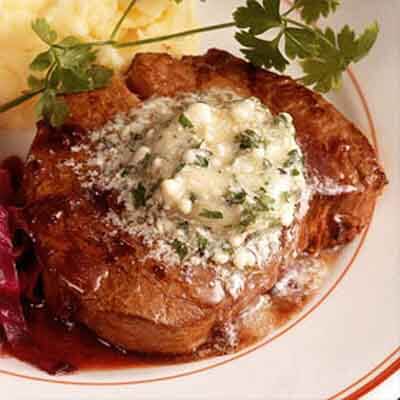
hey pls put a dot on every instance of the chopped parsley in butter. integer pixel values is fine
(203, 178)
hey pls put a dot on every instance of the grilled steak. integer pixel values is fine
(100, 279)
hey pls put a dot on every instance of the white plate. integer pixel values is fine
(347, 340)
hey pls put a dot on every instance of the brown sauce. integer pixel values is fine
(78, 346)
(81, 348)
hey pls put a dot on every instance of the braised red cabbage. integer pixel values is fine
(12, 320)
(11, 315)
(6, 190)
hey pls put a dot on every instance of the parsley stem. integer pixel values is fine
(19, 100)
(174, 35)
(290, 10)
(55, 55)
(100, 43)
(315, 31)
(298, 43)
(280, 34)
(120, 45)
(122, 19)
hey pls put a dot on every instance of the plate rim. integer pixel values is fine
(368, 386)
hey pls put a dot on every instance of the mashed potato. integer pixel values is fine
(89, 20)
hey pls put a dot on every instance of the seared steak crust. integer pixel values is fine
(97, 277)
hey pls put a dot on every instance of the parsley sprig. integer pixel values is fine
(323, 54)
(70, 65)
(67, 66)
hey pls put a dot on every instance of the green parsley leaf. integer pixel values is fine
(70, 68)
(247, 217)
(325, 70)
(100, 76)
(42, 61)
(312, 10)
(193, 197)
(267, 164)
(211, 214)
(248, 140)
(233, 197)
(59, 113)
(264, 202)
(180, 248)
(69, 41)
(126, 171)
(353, 48)
(300, 43)
(282, 171)
(73, 81)
(43, 29)
(139, 195)
(179, 168)
(293, 156)
(258, 18)
(295, 172)
(77, 57)
(185, 121)
(202, 243)
(262, 53)
(44, 103)
(201, 161)
(146, 161)
(323, 75)
(154, 187)
(325, 55)
(76, 80)
(35, 83)
(285, 196)
(184, 225)
(53, 108)
(55, 79)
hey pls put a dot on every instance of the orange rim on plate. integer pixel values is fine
(368, 386)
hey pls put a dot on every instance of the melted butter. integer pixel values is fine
(208, 177)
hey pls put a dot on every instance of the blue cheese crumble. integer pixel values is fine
(203, 178)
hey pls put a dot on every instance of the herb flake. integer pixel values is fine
(202, 243)
(235, 197)
(180, 248)
(248, 139)
(247, 217)
(139, 195)
(201, 161)
(185, 121)
(210, 214)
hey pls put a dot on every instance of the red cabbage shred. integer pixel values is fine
(12, 321)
